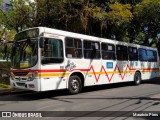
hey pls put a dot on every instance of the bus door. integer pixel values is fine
(122, 64)
(144, 65)
(92, 62)
(133, 61)
(152, 63)
(108, 62)
(52, 64)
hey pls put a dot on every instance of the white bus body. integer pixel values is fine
(66, 60)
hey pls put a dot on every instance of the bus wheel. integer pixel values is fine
(137, 78)
(75, 85)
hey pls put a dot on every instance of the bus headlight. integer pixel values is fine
(33, 76)
(12, 77)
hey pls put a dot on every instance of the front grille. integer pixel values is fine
(20, 84)
(21, 79)
(20, 73)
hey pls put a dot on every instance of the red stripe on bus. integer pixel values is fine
(63, 70)
(97, 76)
(49, 70)
(150, 69)
(54, 70)
(84, 70)
(116, 68)
(23, 70)
(109, 79)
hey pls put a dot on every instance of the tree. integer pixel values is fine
(120, 17)
(148, 16)
(70, 15)
(5, 47)
(128, 20)
(20, 16)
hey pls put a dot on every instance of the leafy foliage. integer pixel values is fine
(20, 17)
(147, 13)
(120, 16)
(127, 20)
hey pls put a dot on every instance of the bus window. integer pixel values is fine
(108, 51)
(52, 51)
(142, 54)
(73, 48)
(91, 49)
(155, 56)
(152, 56)
(132, 53)
(121, 52)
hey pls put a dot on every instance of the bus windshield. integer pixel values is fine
(25, 53)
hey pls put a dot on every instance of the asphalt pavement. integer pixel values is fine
(122, 101)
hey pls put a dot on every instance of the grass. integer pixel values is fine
(4, 69)
(2, 85)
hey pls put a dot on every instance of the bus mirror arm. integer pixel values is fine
(5, 50)
(41, 42)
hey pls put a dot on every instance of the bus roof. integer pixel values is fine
(86, 37)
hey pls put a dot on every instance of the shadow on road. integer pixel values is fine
(29, 95)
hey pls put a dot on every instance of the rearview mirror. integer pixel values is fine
(13, 50)
(41, 42)
(96, 46)
(5, 50)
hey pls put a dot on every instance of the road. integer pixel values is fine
(111, 99)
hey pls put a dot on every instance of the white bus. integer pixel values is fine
(46, 59)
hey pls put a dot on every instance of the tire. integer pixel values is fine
(74, 85)
(137, 78)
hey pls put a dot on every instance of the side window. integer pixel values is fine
(132, 53)
(91, 49)
(121, 52)
(155, 56)
(108, 51)
(142, 53)
(152, 56)
(52, 51)
(73, 48)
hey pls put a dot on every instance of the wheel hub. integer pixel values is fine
(74, 84)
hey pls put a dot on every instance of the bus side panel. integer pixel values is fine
(149, 70)
(89, 67)
(108, 71)
(95, 73)
(144, 67)
(122, 70)
(133, 67)
(52, 77)
(153, 70)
